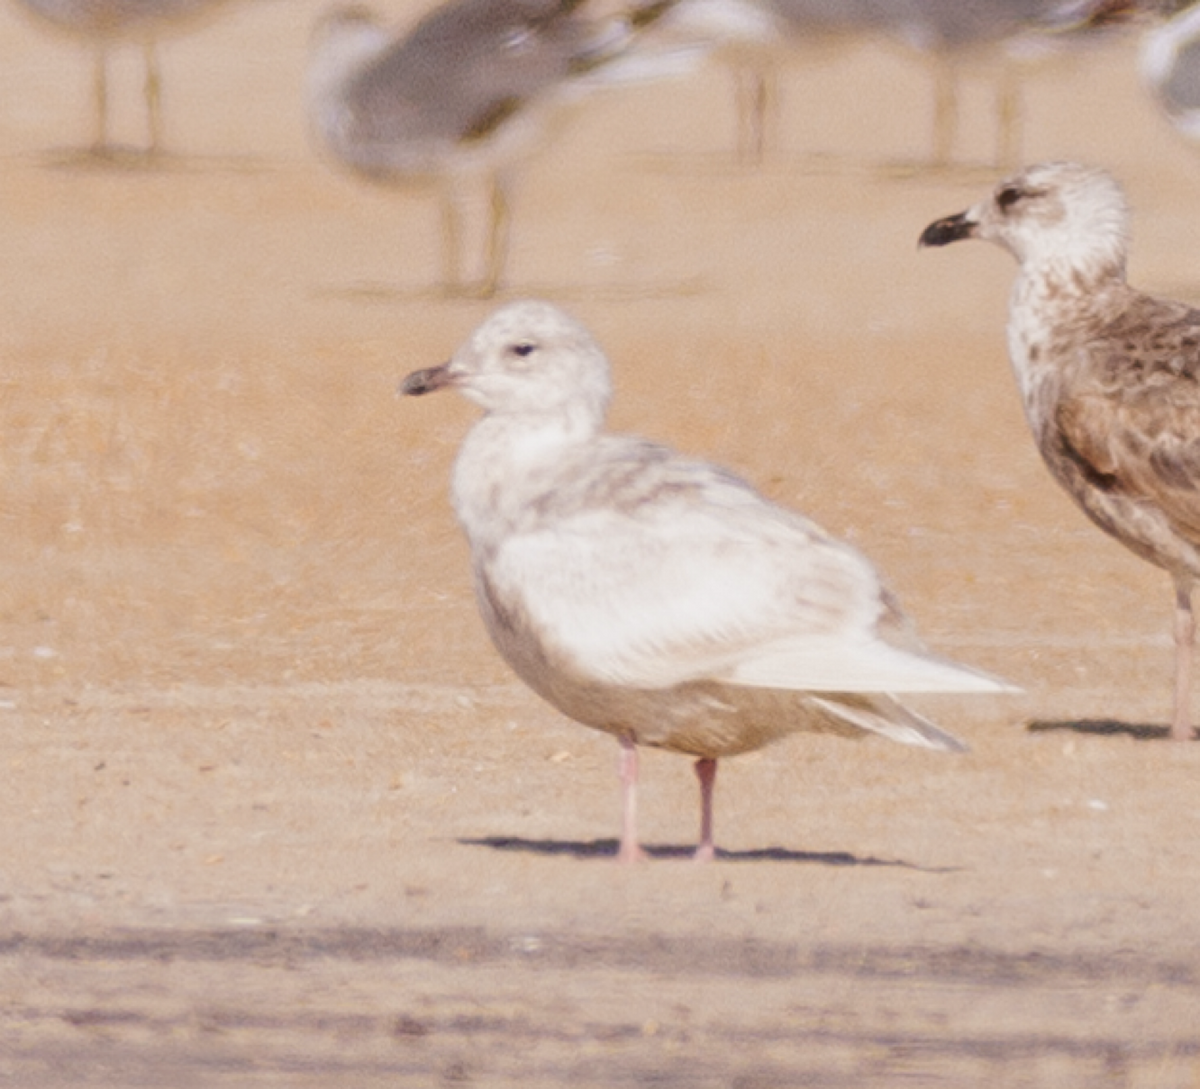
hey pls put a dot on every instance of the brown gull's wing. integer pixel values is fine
(1129, 418)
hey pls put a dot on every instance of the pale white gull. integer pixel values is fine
(1109, 377)
(657, 597)
(108, 23)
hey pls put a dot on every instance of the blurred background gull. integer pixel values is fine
(460, 100)
(1001, 40)
(1170, 67)
(105, 25)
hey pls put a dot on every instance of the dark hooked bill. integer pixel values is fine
(949, 229)
(426, 381)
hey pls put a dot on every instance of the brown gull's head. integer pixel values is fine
(1063, 214)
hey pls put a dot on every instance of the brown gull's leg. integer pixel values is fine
(1185, 639)
(100, 100)
(945, 111)
(153, 94)
(628, 767)
(499, 224)
(448, 195)
(706, 772)
(1010, 120)
(755, 92)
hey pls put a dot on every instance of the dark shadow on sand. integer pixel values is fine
(119, 159)
(607, 848)
(1102, 727)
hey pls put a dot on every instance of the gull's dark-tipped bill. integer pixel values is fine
(425, 381)
(946, 230)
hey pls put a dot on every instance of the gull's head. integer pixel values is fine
(1063, 214)
(527, 358)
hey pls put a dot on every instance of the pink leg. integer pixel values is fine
(706, 772)
(628, 767)
(1185, 639)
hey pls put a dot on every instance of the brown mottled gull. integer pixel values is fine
(1109, 376)
(653, 596)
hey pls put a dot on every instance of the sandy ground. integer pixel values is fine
(276, 814)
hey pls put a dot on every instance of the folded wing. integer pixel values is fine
(704, 579)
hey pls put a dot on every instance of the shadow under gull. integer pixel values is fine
(1102, 727)
(608, 848)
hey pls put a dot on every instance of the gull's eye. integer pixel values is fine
(523, 349)
(1008, 196)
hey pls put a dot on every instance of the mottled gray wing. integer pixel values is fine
(1131, 418)
(466, 68)
(941, 24)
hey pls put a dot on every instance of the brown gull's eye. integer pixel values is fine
(1008, 196)
(524, 349)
